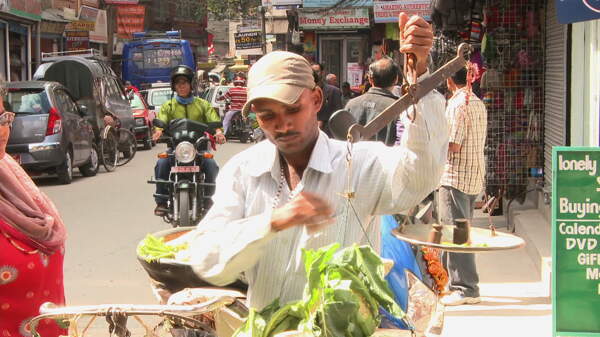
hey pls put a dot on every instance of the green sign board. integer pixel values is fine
(576, 241)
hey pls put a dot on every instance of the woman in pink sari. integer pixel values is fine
(32, 237)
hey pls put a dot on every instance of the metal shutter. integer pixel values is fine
(555, 88)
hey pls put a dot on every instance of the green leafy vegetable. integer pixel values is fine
(342, 298)
(153, 248)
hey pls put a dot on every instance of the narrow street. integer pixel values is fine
(106, 216)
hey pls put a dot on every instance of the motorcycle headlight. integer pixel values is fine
(139, 121)
(185, 152)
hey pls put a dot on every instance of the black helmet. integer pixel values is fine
(182, 70)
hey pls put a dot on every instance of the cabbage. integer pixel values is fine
(342, 297)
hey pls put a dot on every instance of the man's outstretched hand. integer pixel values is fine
(416, 37)
(306, 209)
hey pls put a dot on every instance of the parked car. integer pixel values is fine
(92, 83)
(50, 133)
(157, 95)
(143, 119)
(212, 94)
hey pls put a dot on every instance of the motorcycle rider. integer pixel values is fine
(184, 105)
(237, 95)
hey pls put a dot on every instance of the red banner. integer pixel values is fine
(130, 19)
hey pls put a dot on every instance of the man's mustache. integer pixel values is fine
(291, 133)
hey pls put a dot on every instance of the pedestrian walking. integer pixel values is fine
(331, 79)
(462, 181)
(332, 98)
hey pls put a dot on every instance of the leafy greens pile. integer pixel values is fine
(152, 249)
(343, 295)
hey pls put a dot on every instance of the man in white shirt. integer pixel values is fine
(286, 194)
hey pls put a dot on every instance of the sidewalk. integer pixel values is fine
(514, 301)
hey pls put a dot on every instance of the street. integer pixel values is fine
(109, 214)
(106, 216)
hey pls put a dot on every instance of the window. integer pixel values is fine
(27, 101)
(157, 57)
(159, 97)
(64, 103)
(136, 102)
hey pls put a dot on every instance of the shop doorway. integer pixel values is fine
(336, 52)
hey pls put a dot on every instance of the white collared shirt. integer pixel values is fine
(235, 236)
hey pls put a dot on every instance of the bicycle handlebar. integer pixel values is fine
(49, 310)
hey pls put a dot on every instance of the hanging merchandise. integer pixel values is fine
(512, 47)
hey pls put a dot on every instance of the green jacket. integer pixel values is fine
(200, 111)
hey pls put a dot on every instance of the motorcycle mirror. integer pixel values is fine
(159, 124)
(339, 124)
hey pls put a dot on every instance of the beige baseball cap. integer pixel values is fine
(279, 75)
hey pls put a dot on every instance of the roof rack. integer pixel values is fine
(171, 34)
(86, 53)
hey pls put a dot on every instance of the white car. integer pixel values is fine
(212, 94)
(157, 96)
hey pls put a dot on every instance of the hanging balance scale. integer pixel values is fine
(457, 237)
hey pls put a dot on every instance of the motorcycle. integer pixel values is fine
(240, 128)
(191, 141)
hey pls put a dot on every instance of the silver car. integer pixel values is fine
(50, 133)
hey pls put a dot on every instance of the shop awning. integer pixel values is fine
(218, 69)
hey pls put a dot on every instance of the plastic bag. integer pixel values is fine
(404, 258)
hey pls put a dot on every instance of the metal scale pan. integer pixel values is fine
(481, 239)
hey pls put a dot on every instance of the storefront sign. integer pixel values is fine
(99, 34)
(81, 25)
(77, 40)
(576, 241)
(388, 11)
(331, 3)
(51, 27)
(248, 43)
(355, 75)
(335, 19)
(31, 9)
(577, 10)
(130, 19)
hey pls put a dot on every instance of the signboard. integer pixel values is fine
(388, 11)
(331, 3)
(130, 19)
(81, 25)
(569, 11)
(575, 241)
(99, 34)
(335, 19)
(354, 75)
(248, 43)
(31, 9)
(77, 40)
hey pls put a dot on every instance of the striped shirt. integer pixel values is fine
(238, 97)
(465, 170)
(235, 236)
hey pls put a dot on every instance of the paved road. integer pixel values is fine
(106, 216)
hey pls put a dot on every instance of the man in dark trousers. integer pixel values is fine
(383, 76)
(332, 98)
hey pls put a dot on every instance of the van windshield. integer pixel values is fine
(159, 97)
(27, 101)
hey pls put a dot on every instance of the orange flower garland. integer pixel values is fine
(436, 269)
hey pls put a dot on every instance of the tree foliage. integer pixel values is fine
(218, 9)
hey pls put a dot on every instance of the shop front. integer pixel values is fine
(18, 24)
(339, 39)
